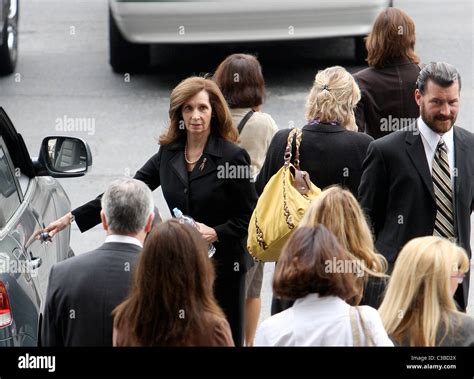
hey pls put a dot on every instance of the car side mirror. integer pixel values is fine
(64, 157)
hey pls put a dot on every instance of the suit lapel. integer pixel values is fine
(416, 152)
(179, 166)
(460, 166)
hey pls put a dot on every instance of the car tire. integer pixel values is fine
(126, 56)
(9, 46)
(360, 50)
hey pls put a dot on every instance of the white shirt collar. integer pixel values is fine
(123, 239)
(432, 138)
(313, 298)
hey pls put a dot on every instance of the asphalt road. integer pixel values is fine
(63, 71)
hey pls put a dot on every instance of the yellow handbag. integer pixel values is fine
(281, 206)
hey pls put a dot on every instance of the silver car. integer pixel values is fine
(29, 200)
(135, 24)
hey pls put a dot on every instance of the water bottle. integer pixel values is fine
(188, 219)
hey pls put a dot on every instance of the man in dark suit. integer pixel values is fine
(83, 291)
(420, 181)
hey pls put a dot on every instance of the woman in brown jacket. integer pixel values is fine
(387, 86)
(171, 302)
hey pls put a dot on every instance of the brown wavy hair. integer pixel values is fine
(221, 121)
(392, 36)
(302, 266)
(240, 79)
(174, 277)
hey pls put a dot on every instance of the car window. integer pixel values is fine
(9, 197)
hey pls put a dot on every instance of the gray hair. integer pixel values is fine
(127, 204)
(441, 73)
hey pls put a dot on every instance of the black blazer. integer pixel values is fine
(329, 153)
(387, 96)
(213, 195)
(396, 191)
(82, 293)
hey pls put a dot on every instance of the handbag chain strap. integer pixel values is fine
(295, 134)
(260, 240)
(299, 136)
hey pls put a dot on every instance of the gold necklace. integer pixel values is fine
(186, 156)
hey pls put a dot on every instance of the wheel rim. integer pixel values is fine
(12, 32)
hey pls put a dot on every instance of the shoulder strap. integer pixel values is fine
(369, 340)
(298, 137)
(244, 120)
(295, 137)
(292, 137)
(354, 327)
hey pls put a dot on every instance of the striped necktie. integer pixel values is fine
(444, 224)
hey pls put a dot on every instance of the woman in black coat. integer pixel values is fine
(388, 85)
(204, 174)
(331, 151)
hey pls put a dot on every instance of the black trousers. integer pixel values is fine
(229, 290)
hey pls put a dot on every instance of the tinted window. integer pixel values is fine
(9, 199)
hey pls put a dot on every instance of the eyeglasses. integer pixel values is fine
(460, 278)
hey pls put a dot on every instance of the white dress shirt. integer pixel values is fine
(430, 142)
(123, 239)
(319, 321)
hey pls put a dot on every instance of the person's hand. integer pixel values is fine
(59, 224)
(207, 233)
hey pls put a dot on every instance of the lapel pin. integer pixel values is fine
(201, 167)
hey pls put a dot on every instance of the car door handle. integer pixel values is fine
(34, 262)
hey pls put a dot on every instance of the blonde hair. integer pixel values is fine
(339, 211)
(333, 97)
(418, 299)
